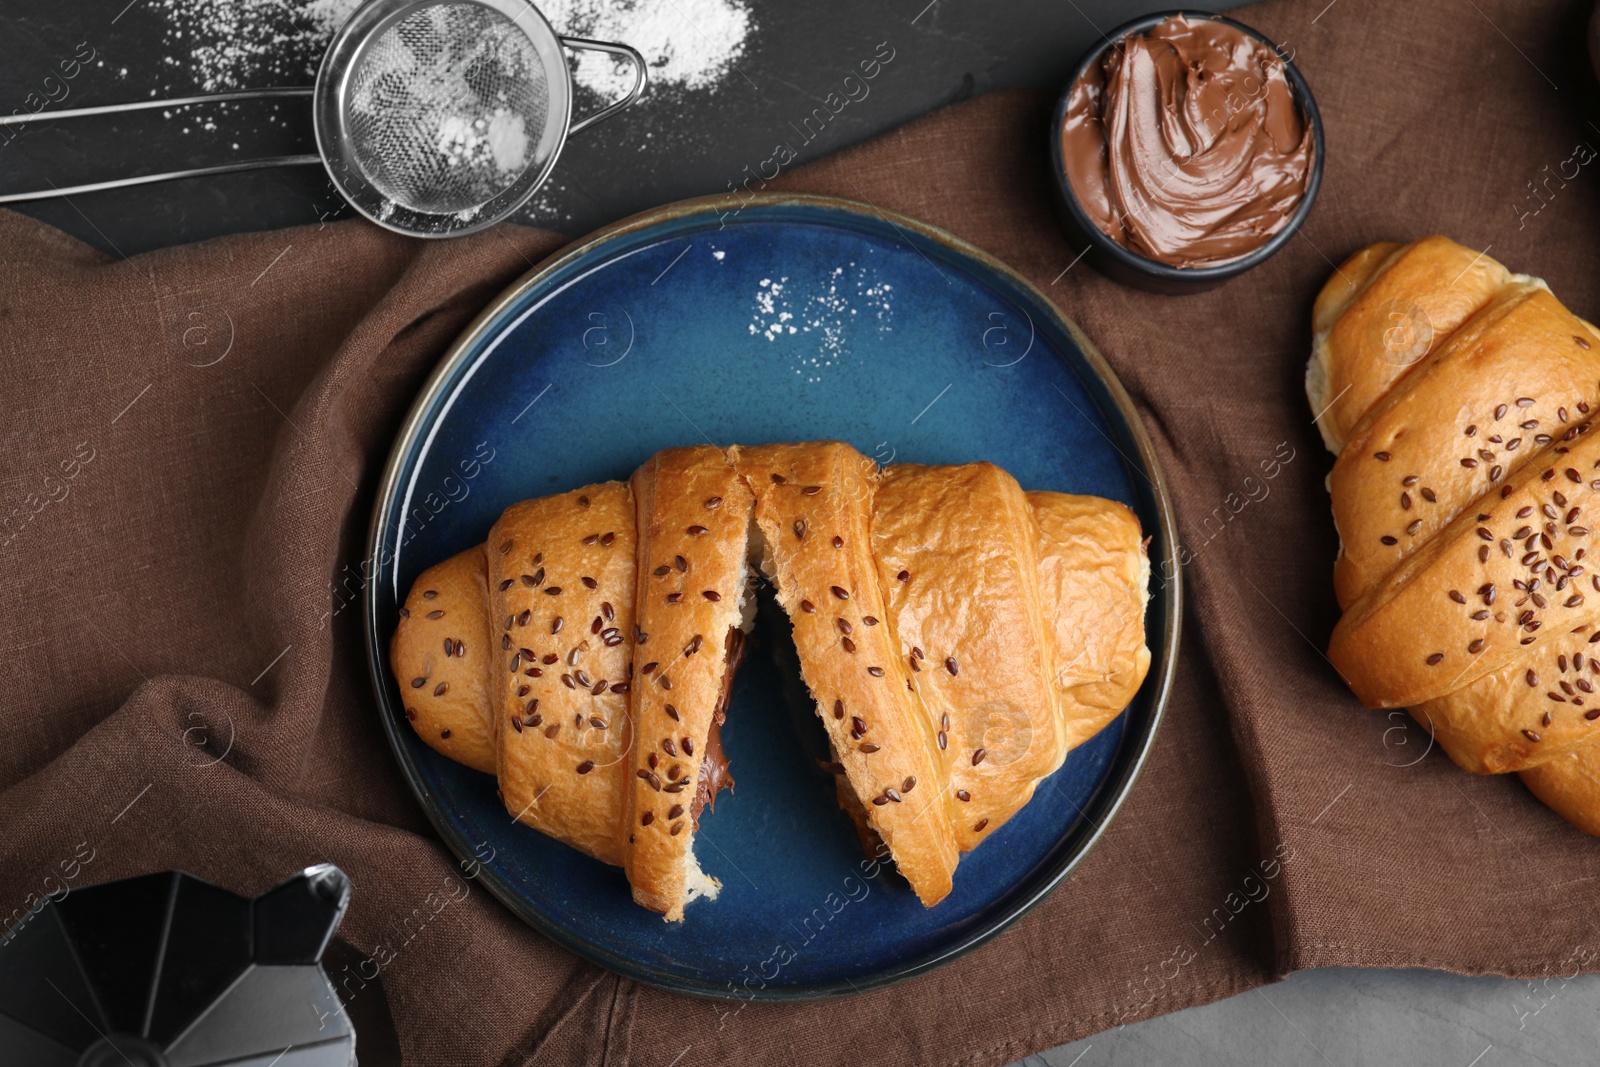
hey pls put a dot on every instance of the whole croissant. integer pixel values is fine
(957, 634)
(1460, 399)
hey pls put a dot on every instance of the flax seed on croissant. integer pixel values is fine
(1465, 487)
(561, 591)
(1480, 593)
(439, 657)
(967, 540)
(1511, 376)
(959, 636)
(694, 604)
(815, 507)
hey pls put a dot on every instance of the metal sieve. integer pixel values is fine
(433, 117)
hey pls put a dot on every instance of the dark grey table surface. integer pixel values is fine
(738, 76)
(702, 124)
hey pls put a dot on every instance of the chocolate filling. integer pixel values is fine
(1186, 144)
(850, 803)
(714, 773)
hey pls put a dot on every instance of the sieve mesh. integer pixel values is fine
(447, 108)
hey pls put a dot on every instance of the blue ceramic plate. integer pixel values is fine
(794, 318)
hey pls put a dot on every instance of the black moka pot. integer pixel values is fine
(166, 970)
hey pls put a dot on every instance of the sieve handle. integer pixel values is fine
(147, 179)
(145, 105)
(640, 77)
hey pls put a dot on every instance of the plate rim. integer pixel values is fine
(1121, 784)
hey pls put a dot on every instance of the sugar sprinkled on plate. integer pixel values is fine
(826, 310)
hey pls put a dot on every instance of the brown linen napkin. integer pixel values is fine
(187, 462)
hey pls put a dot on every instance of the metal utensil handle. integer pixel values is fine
(146, 105)
(148, 179)
(641, 75)
(173, 175)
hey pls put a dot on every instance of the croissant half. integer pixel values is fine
(561, 589)
(694, 529)
(958, 636)
(1460, 399)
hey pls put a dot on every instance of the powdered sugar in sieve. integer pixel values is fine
(446, 107)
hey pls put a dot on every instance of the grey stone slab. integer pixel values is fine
(1344, 1018)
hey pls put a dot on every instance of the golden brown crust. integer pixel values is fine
(1382, 312)
(958, 559)
(1570, 785)
(1532, 710)
(440, 657)
(561, 575)
(1483, 591)
(1348, 281)
(1465, 563)
(693, 522)
(814, 504)
(1094, 576)
(1048, 644)
(1515, 377)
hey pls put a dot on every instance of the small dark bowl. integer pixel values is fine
(1130, 268)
